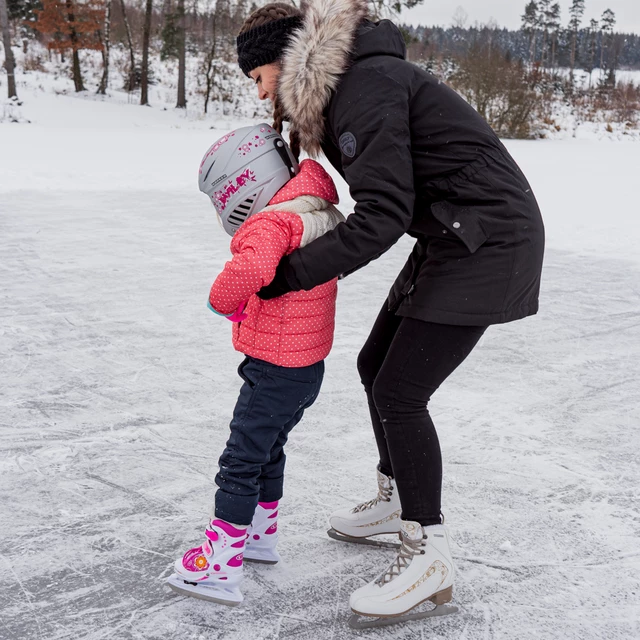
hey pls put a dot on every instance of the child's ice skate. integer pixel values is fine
(213, 571)
(262, 535)
(423, 571)
(378, 516)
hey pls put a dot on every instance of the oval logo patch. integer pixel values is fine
(348, 144)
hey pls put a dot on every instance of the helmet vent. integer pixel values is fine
(242, 211)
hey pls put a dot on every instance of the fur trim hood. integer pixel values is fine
(319, 53)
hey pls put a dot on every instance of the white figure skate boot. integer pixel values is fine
(423, 571)
(262, 535)
(378, 516)
(213, 571)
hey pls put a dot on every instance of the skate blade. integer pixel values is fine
(261, 558)
(370, 542)
(361, 621)
(229, 596)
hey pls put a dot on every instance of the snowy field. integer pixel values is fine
(117, 385)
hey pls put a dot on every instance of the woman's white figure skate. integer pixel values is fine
(423, 571)
(213, 571)
(375, 517)
(262, 535)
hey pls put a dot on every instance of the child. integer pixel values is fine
(271, 206)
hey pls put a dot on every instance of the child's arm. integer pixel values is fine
(253, 265)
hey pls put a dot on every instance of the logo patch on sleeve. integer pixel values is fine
(348, 144)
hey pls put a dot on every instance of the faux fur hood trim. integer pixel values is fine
(316, 57)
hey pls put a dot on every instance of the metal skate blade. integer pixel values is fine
(261, 557)
(360, 621)
(229, 596)
(259, 560)
(371, 542)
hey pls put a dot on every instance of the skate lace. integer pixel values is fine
(384, 495)
(408, 549)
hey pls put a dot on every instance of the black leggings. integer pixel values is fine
(401, 365)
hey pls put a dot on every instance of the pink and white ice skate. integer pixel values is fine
(213, 571)
(262, 535)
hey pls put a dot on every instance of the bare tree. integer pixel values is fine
(460, 18)
(182, 57)
(131, 83)
(144, 79)
(104, 81)
(9, 60)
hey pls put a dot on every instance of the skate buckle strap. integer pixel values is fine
(384, 495)
(408, 549)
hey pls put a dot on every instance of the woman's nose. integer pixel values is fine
(262, 94)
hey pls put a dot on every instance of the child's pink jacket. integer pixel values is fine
(295, 330)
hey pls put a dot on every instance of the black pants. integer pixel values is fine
(272, 401)
(401, 365)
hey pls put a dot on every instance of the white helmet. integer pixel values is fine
(243, 170)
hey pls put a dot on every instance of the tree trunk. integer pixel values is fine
(532, 48)
(144, 94)
(132, 58)
(9, 61)
(211, 68)
(574, 43)
(73, 36)
(182, 57)
(104, 82)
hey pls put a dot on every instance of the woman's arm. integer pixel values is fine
(370, 119)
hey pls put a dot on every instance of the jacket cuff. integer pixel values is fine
(224, 315)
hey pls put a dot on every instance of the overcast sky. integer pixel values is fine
(507, 12)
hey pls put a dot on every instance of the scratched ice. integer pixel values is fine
(117, 384)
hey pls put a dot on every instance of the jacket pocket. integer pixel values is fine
(463, 222)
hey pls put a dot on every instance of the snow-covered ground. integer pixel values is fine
(117, 384)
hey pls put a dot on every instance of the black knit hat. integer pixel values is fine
(265, 44)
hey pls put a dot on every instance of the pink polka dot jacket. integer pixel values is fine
(295, 330)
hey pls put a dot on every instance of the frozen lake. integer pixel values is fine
(117, 385)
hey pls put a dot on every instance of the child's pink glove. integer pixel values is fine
(238, 315)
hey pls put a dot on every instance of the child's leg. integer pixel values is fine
(272, 476)
(271, 403)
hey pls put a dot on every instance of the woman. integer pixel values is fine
(418, 160)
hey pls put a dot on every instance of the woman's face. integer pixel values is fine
(266, 79)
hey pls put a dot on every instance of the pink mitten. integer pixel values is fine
(238, 315)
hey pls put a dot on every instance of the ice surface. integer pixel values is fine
(117, 384)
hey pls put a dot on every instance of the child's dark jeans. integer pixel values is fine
(272, 401)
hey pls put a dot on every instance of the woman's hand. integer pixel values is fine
(284, 281)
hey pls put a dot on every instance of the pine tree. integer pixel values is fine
(608, 22)
(530, 24)
(576, 11)
(553, 23)
(544, 7)
(594, 30)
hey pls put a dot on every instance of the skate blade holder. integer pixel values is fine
(229, 596)
(370, 542)
(360, 621)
